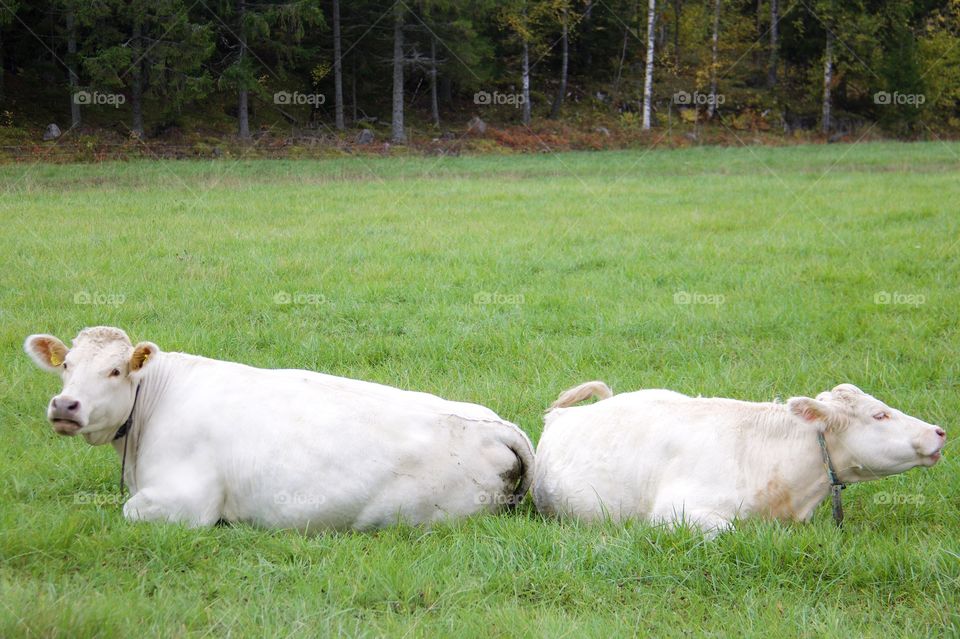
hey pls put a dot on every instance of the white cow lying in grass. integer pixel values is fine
(212, 440)
(663, 457)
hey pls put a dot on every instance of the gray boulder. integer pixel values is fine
(52, 132)
(476, 125)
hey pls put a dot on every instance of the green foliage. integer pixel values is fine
(198, 56)
(938, 50)
(155, 37)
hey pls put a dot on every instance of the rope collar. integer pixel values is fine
(122, 432)
(835, 485)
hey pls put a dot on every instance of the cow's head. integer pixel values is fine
(868, 439)
(100, 375)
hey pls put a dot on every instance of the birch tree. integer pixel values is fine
(519, 19)
(648, 75)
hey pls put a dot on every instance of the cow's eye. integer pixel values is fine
(115, 372)
(64, 366)
(882, 415)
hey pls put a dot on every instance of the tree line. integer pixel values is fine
(800, 64)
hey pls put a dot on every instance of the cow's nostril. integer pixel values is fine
(941, 432)
(73, 406)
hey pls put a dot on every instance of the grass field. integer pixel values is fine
(752, 273)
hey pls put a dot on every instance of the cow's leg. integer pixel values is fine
(196, 507)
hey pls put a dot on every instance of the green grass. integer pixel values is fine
(590, 250)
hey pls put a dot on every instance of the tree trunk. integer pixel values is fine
(446, 89)
(827, 81)
(564, 65)
(434, 102)
(397, 124)
(648, 76)
(73, 80)
(243, 107)
(136, 84)
(337, 69)
(243, 110)
(353, 86)
(714, 57)
(623, 56)
(677, 10)
(525, 83)
(759, 32)
(774, 43)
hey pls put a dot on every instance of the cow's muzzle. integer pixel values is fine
(64, 414)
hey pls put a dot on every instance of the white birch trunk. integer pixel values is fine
(648, 77)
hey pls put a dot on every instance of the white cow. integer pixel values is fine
(664, 457)
(209, 440)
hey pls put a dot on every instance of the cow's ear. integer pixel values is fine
(143, 353)
(46, 351)
(811, 410)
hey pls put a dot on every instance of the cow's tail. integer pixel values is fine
(579, 393)
(518, 442)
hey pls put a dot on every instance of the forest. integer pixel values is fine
(241, 68)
